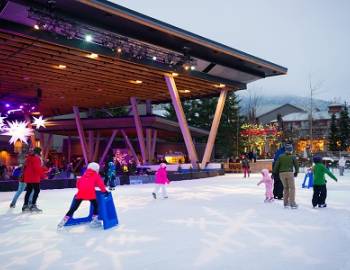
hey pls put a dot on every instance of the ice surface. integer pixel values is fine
(213, 223)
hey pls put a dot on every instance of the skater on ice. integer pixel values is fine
(110, 178)
(86, 192)
(287, 168)
(246, 167)
(342, 163)
(267, 180)
(21, 187)
(33, 173)
(320, 188)
(161, 181)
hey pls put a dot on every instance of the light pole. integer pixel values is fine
(237, 131)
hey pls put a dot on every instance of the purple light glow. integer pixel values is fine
(21, 107)
(33, 108)
(7, 105)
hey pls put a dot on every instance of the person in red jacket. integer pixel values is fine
(32, 174)
(86, 191)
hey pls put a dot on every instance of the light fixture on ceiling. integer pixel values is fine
(92, 55)
(61, 66)
(174, 74)
(135, 81)
(36, 27)
(88, 38)
(186, 91)
(221, 85)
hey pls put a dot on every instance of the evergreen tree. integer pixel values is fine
(344, 129)
(200, 113)
(333, 135)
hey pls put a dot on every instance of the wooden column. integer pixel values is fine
(42, 140)
(149, 144)
(126, 138)
(154, 144)
(97, 146)
(32, 137)
(109, 144)
(81, 134)
(138, 126)
(69, 146)
(214, 128)
(91, 145)
(47, 146)
(175, 98)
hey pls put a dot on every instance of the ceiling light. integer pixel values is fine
(175, 74)
(88, 38)
(186, 91)
(135, 81)
(62, 66)
(154, 58)
(193, 67)
(92, 55)
(36, 27)
(221, 85)
(119, 50)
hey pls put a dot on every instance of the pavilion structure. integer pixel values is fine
(68, 56)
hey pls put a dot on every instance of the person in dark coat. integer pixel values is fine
(277, 185)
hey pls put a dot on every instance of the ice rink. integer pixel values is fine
(213, 223)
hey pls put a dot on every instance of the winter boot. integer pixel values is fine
(35, 209)
(95, 223)
(286, 206)
(25, 208)
(154, 195)
(12, 205)
(322, 205)
(63, 222)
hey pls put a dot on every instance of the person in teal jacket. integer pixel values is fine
(320, 188)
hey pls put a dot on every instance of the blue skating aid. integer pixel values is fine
(107, 212)
(310, 177)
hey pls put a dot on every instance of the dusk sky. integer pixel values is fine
(311, 38)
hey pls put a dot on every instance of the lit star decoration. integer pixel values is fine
(39, 122)
(18, 130)
(2, 124)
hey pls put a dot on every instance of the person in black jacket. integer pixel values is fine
(277, 184)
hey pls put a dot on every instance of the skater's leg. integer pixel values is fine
(291, 184)
(95, 205)
(21, 188)
(31, 197)
(75, 205)
(164, 193)
(323, 195)
(36, 187)
(29, 190)
(315, 196)
(285, 189)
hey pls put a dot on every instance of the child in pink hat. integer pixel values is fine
(268, 181)
(161, 181)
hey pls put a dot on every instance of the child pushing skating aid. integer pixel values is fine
(86, 191)
(161, 181)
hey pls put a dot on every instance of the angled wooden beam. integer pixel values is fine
(126, 138)
(138, 126)
(175, 98)
(109, 144)
(97, 146)
(48, 146)
(149, 144)
(42, 140)
(32, 137)
(214, 128)
(81, 134)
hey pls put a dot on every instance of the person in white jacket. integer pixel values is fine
(342, 166)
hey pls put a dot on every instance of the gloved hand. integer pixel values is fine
(295, 174)
(272, 176)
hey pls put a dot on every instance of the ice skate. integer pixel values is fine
(266, 200)
(294, 206)
(12, 205)
(35, 209)
(154, 195)
(271, 200)
(322, 205)
(95, 223)
(62, 223)
(286, 206)
(25, 209)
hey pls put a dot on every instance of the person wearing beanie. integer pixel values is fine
(320, 188)
(287, 168)
(86, 192)
(161, 181)
(33, 172)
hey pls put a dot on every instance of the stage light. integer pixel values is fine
(21, 107)
(88, 38)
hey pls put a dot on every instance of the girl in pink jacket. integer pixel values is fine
(161, 181)
(268, 181)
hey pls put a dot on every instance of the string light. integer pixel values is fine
(18, 130)
(39, 122)
(88, 38)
